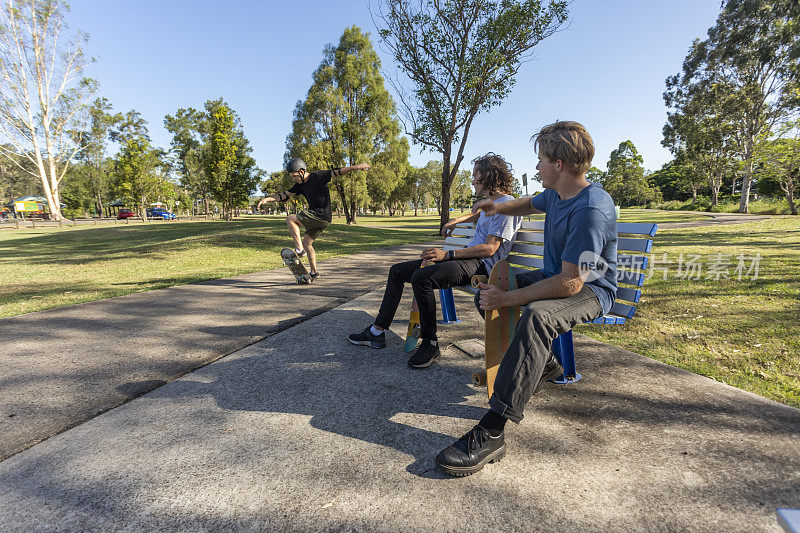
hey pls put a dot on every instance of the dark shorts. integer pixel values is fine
(312, 223)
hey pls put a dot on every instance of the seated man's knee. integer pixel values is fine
(421, 278)
(535, 314)
(394, 270)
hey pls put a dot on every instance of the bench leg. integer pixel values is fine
(562, 349)
(448, 307)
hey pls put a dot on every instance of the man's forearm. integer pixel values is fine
(347, 170)
(478, 251)
(554, 287)
(469, 217)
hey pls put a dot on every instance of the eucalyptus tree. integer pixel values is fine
(187, 145)
(701, 129)
(94, 151)
(389, 167)
(231, 171)
(15, 179)
(461, 58)
(625, 179)
(753, 53)
(416, 186)
(140, 175)
(779, 159)
(348, 116)
(42, 90)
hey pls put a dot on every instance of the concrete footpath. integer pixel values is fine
(304, 431)
(63, 366)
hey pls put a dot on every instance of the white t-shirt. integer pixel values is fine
(502, 226)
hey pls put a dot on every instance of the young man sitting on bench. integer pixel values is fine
(580, 229)
(494, 235)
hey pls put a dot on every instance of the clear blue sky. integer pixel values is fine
(606, 70)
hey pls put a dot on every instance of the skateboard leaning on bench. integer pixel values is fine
(412, 336)
(500, 325)
(296, 266)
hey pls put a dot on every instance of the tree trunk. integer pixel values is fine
(348, 217)
(353, 207)
(744, 202)
(790, 198)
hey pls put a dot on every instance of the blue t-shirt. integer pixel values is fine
(502, 226)
(582, 231)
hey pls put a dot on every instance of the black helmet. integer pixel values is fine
(296, 165)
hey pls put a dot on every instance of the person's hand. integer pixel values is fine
(433, 254)
(448, 228)
(492, 297)
(487, 206)
(363, 166)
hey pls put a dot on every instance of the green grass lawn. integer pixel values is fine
(741, 332)
(46, 268)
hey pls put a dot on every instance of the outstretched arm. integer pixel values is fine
(519, 206)
(448, 228)
(279, 197)
(346, 170)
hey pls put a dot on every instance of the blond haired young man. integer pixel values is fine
(580, 223)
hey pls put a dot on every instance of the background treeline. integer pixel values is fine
(732, 117)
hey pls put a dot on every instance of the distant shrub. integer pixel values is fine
(762, 206)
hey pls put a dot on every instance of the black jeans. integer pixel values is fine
(539, 324)
(423, 280)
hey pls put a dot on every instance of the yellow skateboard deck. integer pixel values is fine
(500, 325)
(412, 336)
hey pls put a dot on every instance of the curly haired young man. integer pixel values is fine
(494, 234)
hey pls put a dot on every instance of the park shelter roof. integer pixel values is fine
(31, 198)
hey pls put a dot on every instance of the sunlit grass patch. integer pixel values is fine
(741, 332)
(46, 268)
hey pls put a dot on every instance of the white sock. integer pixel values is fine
(375, 331)
(298, 250)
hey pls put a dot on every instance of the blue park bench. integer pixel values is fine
(634, 243)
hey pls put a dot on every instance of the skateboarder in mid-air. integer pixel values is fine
(314, 187)
(580, 219)
(492, 178)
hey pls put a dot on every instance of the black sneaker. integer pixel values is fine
(314, 275)
(301, 253)
(366, 338)
(426, 353)
(552, 369)
(468, 454)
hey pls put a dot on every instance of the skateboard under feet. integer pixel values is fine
(296, 266)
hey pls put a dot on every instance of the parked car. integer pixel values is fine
(125, 213)
(158, 212)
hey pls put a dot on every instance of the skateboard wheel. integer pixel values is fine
(479, 378)
(476, 280)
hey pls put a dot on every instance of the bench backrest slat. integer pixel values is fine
(531, 262)
(622, 309)
(466, 231)
(627, 244)
(628, 294)
(462, 241)
(630, 266)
